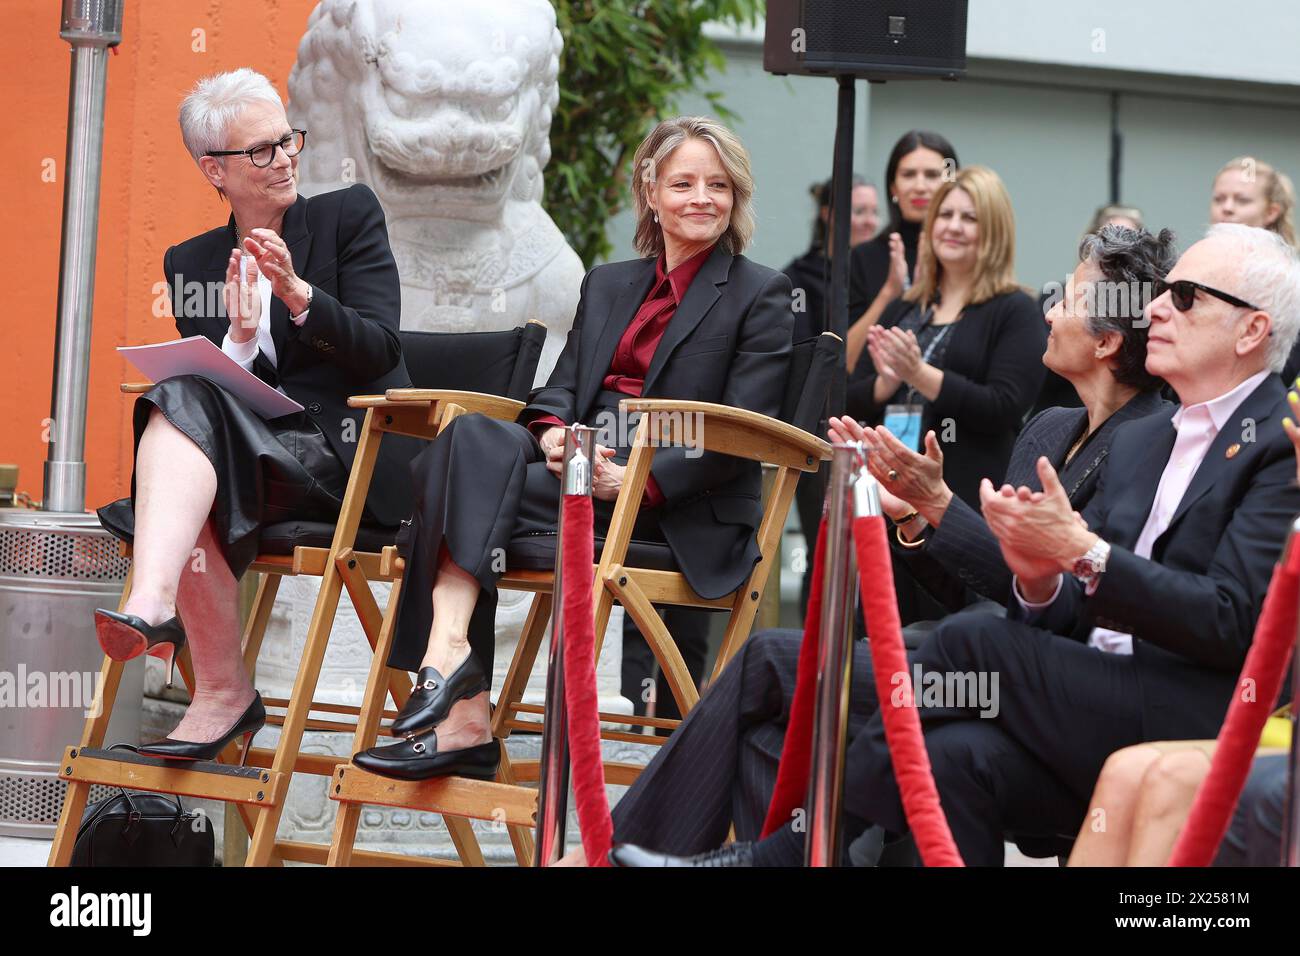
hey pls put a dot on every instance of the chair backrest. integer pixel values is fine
(812, 366)
(496, 363)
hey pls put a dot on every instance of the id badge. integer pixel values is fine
(904, 423)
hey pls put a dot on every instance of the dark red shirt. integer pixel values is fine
(627, 370)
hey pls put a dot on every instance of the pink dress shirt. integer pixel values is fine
(1197, 426)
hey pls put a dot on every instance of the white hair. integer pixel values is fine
(1268, 277)
(214, 103)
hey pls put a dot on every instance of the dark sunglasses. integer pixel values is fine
(1183, 293)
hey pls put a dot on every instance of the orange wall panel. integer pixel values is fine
(152, 196)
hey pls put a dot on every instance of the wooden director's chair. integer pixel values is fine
(348, 555)
(638, 575)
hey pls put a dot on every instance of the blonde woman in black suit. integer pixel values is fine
(694, 319)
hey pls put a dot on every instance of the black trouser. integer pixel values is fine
(1062, 708)
(719, 767)
(1254, 837)
(640, 684)
(809, 496)
(1029, 769)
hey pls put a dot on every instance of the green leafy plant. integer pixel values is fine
(624, 66)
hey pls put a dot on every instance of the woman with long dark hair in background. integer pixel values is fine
(881, 270)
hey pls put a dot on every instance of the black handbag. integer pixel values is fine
(139, 828)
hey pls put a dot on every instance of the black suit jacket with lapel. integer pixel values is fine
(349, 343)
(961, 561)
(728, 342)
(1191, 607)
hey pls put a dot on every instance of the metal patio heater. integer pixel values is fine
(57, 564)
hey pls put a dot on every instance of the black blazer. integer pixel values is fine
(349, 344)
(992, 371)
(961, 561)
(728, 342)
(1192, 607)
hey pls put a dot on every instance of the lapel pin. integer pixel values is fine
(1232, 450)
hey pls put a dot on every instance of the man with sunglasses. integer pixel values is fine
(1131, 622)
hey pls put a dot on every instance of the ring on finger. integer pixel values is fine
(891, 475)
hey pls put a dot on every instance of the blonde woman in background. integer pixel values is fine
(1252, 192)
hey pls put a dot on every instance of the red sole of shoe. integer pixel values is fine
(119, 641)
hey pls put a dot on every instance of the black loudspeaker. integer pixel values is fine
(870, 39)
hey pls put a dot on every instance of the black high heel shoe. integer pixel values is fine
(418, 758)
(433, 696)
(125, 636)
(249, 723)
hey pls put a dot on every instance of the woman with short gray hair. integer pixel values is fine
(304, 294)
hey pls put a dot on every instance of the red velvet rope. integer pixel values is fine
(902, 725)
(796, 752)
(588, 771)
(1257, 690)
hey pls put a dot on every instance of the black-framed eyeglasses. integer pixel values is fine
(1183, 293)
(262, 156)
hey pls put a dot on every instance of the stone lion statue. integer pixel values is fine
(444, 107)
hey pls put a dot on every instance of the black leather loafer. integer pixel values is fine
(732, 854)
(434, 695)
(419, 759)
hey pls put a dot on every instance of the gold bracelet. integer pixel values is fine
(912, 516)
(909, 545)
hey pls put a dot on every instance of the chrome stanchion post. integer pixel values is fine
(91, 27)
(852, 493)
(553, 765)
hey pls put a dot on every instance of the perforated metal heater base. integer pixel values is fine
(55, 569)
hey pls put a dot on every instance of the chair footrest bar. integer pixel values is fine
(321, 765)
(206, 779)
(667, 723)
(617, 736)
(458, 796)
(297, 851)
(319, 707)
(617, 773)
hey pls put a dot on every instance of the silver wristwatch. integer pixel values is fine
(307, 306)
(1089, 568)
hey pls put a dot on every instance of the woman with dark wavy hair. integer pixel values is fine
(1098, 343)
(718, 770)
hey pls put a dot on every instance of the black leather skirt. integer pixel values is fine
(267, 471)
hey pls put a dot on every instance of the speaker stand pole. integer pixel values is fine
(842, 193)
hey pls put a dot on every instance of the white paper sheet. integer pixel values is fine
(197, 355)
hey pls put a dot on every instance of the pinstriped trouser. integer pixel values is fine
(719, 767)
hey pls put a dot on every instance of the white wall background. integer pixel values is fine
(1197, 83)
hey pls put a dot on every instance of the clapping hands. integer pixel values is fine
(1040, 533)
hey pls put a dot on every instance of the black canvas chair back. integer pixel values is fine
(812, 363)
(497, 363)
